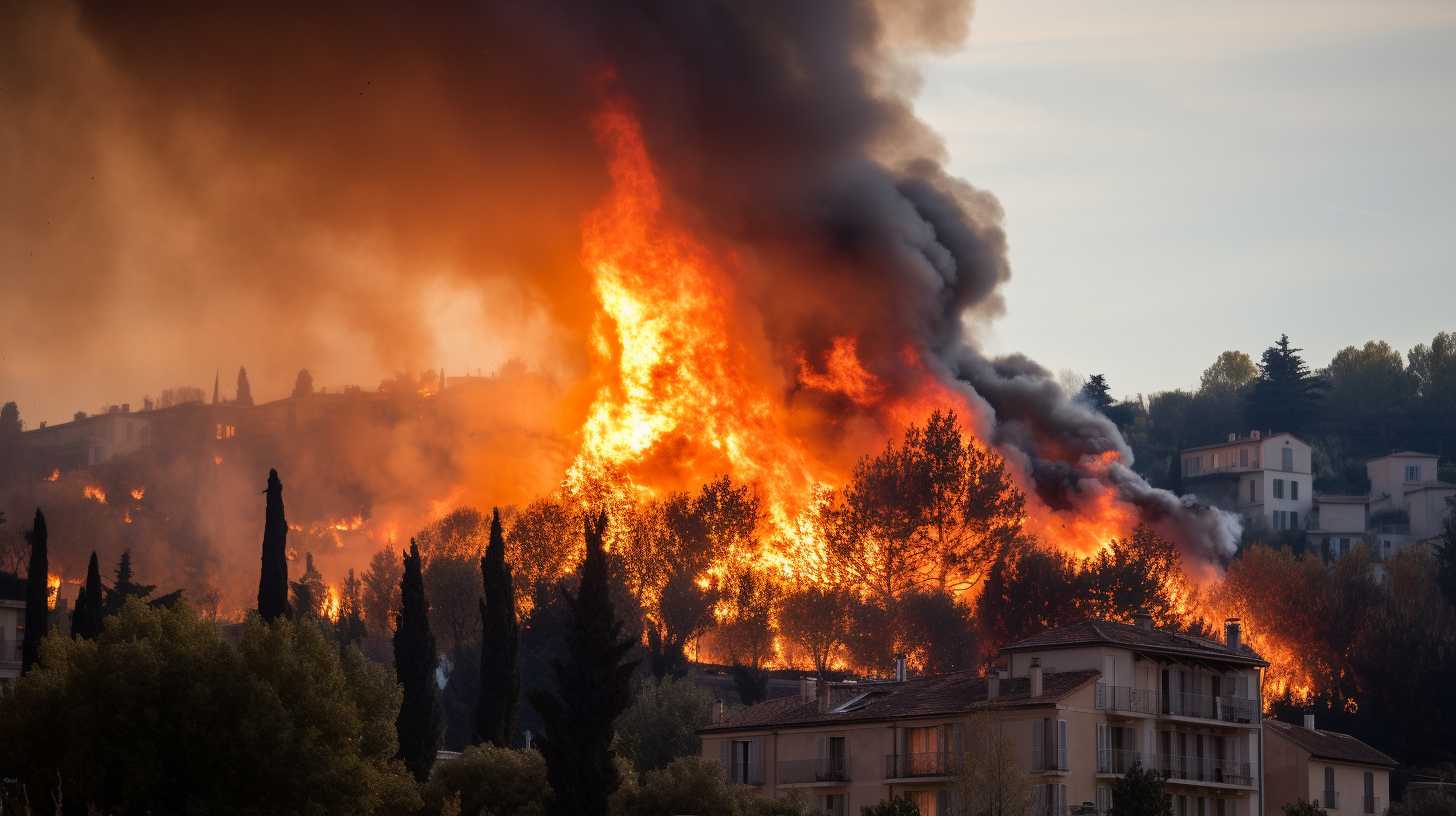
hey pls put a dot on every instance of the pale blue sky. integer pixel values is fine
(1184, 177)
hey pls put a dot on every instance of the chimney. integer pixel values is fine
(1232, 629)
(807, 691)
(1255, 435)
(900, 668)
(993, 684)
(821, 691)
(718, 713)
(1036, 684)
(1309, 721)
(1143, 620)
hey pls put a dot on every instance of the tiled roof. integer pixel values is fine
(920, 697)
(1243, 440)
(1095, 632)
(1404, 455)
(1330, 744)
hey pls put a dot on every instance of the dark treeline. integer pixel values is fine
(1365, 402)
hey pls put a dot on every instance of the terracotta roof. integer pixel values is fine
(1330, 744)
(1243, 440)
(1160, 641)
(1404, 455)
(920, 697)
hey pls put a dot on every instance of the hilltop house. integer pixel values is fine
(1336, 772)
(1080, 705)
(1267, 479)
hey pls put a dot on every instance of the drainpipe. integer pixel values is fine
(1261, 741)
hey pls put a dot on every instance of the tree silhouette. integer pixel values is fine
(273, 582)
(123, 586)
(500, 678)
(309, 592)
(593, 679)
(1286, 395)
(245, 391)
(303, 384)
(90, 606)
(37, 593)
(421, 718)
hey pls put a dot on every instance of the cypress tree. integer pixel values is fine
(37, 593)
(500, 677)
(87, 617)
(593, 686)
(421, 717)
(273, 583)
(124, 587)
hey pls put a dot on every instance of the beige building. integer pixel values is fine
(1267, 479)
(12, 634)
(1078, 706)
(1335, 771)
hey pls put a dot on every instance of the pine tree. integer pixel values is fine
(593, 686)
(1286, 395)
(90, 606)
(245, 391)
(500, 678)
(37, 593)
(124, 587)
(303, 384)
(1096, 393)
(273, 582)
(350, 626)
(1139, 793)
(421, 717)
(216, 381)
(309, 591)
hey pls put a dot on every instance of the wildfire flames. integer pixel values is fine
(53, 590)
(137, 493)
(94, 493)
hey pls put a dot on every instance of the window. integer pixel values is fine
(1287, 459)
(1104, 799)
(1048, 745)
(1190, 466)
(742, 760)
(1367, 804)
(1412, 473)
(1330, 799)
(1243, 457)
(1252, 488)
(1047, 800)
(832, 804)
(1279, 519)
(1294, 490)
(1278, 488)
(1294, 519)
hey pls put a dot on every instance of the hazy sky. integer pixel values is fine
(1184, 177)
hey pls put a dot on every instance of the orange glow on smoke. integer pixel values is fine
(94, 493)
(55, 475)
(843, 374)
(138, 493)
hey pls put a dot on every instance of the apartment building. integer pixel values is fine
(1336, 772)
(1078, 706)
(12, 635)
(1267, 479)
(1407, 504)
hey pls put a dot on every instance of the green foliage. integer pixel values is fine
(662, 723)
(593, 686)
(1446, 556)
(161, 714)
(687, 785)
(1286, 395)
(1424, 804)
(1230, 373)
(500, 679)
(86, 618)
(489, 779)
(1139, 793)
(894, 806)
(421, 719)
(1302, 808)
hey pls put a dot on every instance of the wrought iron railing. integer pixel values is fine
(1206, 706)
(1329, 800)
(1118, 760)
(1205, 769)
(905, 766)
(820, 769)
(1126, 698)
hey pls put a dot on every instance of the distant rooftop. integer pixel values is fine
(1160, 641)
(1241, 440)
(1330, 744)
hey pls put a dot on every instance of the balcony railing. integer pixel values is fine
(905, 766)
(1329, 800)
(1208, 707)
(822, 769)
(1118, 760)
(739, 773)
(1205, 769)
(1126, 698)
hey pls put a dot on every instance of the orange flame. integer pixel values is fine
(843, 374)
(55, 475)
(332, 604)
(94, 493)
(137, 493)
(53, 590)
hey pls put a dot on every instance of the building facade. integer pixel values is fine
(1075, 708)
(1267, 479)
(1334, 771)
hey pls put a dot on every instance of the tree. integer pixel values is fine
(10, 425)
(1446, 555)
(164, 714)
(1302, 808)
(124, 586)
(747, 632)
(310, 594)
(490, 779)
(1096, 394)
(1369, 391)
(421, 720)
(1130, 575)
(662, 723)
(453, 585)
(37, 593)
(1139, 792)
(273, 580)
(1029, 590)
(687, 785)
(1286, 395)
(245, 391)
(593, 686)
(90, 608)
(381, 591)
(894, 806)
(542, 544)
(989, 778)
(1229, 374)
(817, 618)
(303, 384)
(500, 678)
(350, 625)
(684, 611)
(938, 634)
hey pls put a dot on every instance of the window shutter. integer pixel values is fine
(1104, 799)
(1039, 799)
(1062, 744)
(1104, 758)
(1061, 802)
(1038, 751)
(755, 761)
(725, 753)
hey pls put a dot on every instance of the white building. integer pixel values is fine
(1266, 479)
(12, 635)
(1407, 504)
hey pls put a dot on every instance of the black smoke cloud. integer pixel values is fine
(290, 177)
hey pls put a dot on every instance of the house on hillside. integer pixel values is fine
(1336, 772)
(1079, 706)
(1267, 479)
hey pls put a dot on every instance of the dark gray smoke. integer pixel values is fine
(453, 141)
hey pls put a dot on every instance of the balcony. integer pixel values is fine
(822, 769)
(1118, 760)
(909, 766)
(1126, 698)
(1205, 769)
(1206, 706)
